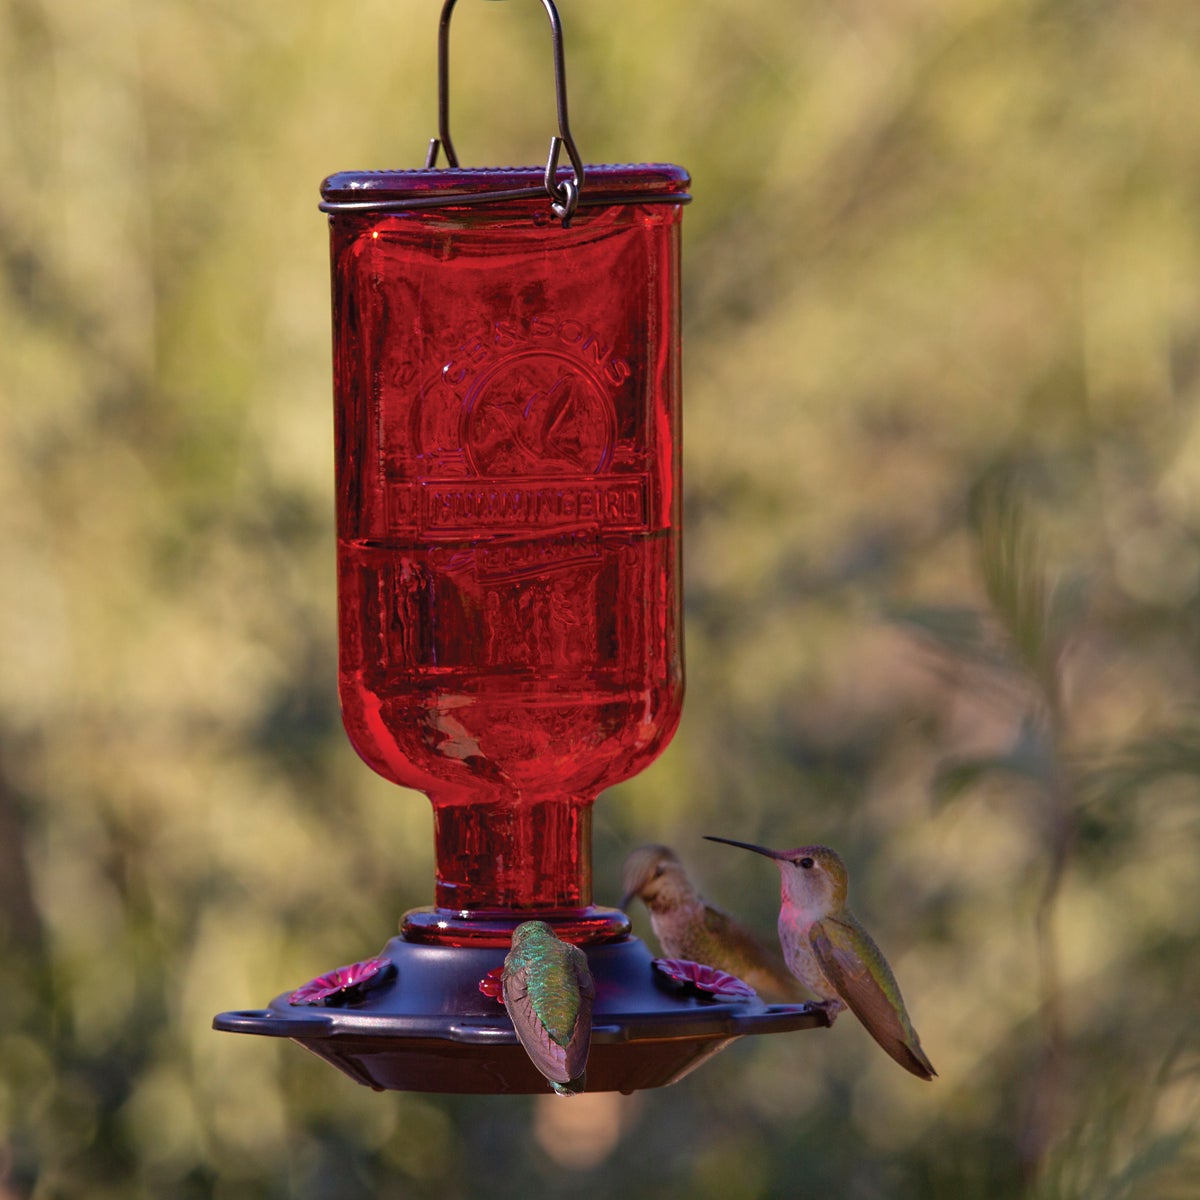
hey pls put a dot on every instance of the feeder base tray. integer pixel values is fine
(429, 1028)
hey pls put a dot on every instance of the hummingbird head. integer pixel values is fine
(813, 878)
(532, 933)
(655, 876)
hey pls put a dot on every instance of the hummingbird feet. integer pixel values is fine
(830, 1008)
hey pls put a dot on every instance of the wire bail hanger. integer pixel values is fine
(564, 195)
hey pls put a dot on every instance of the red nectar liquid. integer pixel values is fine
(507, 437)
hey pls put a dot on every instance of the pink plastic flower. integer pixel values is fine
(719, 985)
(492, 984)
(344, 984)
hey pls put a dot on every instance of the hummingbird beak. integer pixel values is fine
(625, 900)
(747, 846)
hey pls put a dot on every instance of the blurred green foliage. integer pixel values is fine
(942, 464)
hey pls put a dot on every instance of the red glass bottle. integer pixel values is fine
(508, 504)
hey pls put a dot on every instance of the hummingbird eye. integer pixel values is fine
(805, 862)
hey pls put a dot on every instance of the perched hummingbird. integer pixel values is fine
(548, 991)
(687, 927)
(833, 955)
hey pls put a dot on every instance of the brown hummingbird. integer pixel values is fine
(688, 927)
(833, 955)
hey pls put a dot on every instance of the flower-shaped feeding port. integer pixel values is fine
(344, 985)
(707, 982)
(492, 984)
(445, 1030)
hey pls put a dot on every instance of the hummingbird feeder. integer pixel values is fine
(507, 385)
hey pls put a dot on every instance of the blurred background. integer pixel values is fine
(942, 459)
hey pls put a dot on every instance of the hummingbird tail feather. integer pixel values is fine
(916, 1061)
(573, 1087)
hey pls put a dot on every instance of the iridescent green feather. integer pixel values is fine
(548, 992)
(553, 966)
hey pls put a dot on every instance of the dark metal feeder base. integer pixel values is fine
(430, 1029)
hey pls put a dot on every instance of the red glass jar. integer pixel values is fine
(508, 507)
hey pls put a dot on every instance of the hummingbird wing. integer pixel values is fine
(730, 946)
(861, 975)
(581, 1038)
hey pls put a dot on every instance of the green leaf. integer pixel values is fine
(1120, 777)
(1013, 574)
(1159, 1154)
(1029, 758)
(961, 632)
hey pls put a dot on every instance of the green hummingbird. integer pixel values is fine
(833, 955)
(688, 927)
(548, 991)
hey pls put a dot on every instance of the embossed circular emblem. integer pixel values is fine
(537, 413)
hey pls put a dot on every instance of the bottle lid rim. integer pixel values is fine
(603, 184)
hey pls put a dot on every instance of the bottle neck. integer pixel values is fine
(504, 861)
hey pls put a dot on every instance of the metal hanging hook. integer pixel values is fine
(564, 195)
